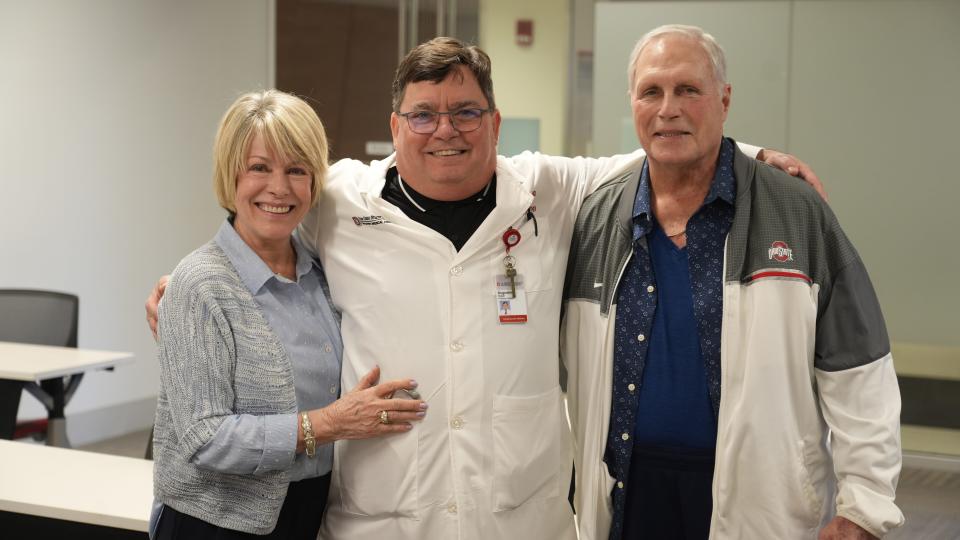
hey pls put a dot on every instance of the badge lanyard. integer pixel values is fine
(511, 295)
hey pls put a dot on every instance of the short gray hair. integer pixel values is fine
(717, 58)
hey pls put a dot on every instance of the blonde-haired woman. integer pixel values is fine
(250, 348)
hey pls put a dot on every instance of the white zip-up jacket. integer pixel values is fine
(809, 409)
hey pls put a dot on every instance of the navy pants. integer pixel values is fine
(299, 517)
(669, 494)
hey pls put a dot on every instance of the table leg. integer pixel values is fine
(9, 405)
(56, 425)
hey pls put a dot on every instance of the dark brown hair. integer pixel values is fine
(437, 58)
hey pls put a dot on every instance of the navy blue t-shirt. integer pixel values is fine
(674, 406)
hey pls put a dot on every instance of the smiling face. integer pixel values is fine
(273, 195)
(446, 164)
(678, 105)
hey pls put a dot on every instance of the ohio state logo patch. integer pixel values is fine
(779, 251)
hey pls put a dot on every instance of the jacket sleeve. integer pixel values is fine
(197, 359)
(859, 397)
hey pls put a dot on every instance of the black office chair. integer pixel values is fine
(41, 318)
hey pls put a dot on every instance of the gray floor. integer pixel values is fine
(930, 499)
(130, 445)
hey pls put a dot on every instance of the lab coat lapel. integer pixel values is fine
(513, 200)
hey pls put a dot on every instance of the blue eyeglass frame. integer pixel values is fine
(451, 114)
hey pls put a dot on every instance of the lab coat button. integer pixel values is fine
(456, 423)
(456, 270)
(456, 346)
(452, 508)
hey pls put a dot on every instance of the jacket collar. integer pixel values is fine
(745, 169)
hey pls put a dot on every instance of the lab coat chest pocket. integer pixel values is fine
(530, 453)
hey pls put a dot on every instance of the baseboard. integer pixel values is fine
(108, 422)
(936, 462)
(927, 361)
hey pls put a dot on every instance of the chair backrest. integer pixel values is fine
(39, 317)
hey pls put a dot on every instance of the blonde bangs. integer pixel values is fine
(291, 131)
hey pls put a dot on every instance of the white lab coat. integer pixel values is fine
(492, 459)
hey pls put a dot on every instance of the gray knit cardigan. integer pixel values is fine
(218, 357)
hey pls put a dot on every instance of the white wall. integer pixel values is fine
(866, 91)
(110, 107)
(756, 65)
(530, 82)
(874, 104)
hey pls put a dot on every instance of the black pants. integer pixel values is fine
(299, 517)
(669, 494)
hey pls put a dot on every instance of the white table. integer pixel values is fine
(77, 486)
(23, 365)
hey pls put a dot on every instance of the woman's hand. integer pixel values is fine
(152, 305)
(357, 415)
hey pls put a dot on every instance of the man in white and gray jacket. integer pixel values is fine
(730, 373)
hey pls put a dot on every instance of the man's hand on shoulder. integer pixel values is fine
(152, 304)
(841, 528)
(792, 166)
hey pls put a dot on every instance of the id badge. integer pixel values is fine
(511, 300)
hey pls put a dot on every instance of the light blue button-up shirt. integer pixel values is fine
(300, 314)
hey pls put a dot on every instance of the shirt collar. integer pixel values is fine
(252, 270)
(723, 187)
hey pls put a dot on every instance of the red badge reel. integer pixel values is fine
(511, 238)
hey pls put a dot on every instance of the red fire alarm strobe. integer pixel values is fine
(524, 32)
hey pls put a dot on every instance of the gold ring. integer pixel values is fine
(384, 417)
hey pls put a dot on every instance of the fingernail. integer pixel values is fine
(408, 426)
(413, 383)
(421, 414)
(423, 406)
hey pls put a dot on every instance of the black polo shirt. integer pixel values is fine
(456, 220)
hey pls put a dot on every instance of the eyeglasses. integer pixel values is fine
(462, 120)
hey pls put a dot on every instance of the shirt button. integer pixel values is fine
(631, 387)
(620, 485)
(456, 423)
(456, 270)
(650, 288)
(333, 390)
(625, 436)
(452, 508)
(327, 347)
(456, 346)
(641, 337)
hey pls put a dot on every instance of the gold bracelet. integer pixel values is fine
(308, 441)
